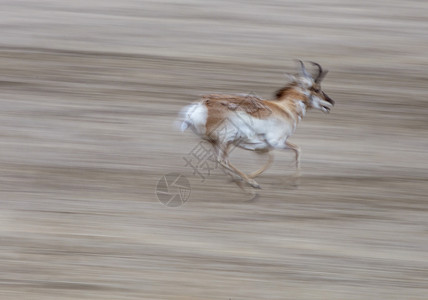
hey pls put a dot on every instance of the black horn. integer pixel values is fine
(321, 73)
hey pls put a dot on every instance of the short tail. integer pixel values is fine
(185, 116)
(184, 125)
(194, 116)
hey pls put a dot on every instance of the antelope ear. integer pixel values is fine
(290, 77)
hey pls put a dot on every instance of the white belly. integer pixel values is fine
(256, 134)
(254, 144)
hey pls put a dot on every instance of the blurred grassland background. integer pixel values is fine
(89, 94)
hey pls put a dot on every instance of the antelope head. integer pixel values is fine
(312, 88)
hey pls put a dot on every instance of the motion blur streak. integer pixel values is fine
(89, 95)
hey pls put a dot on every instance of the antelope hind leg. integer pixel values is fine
(235, 171)
(223, 160)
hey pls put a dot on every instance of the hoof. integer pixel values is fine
(254, 184)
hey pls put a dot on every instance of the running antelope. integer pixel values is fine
(255, 124)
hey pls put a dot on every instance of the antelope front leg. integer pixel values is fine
(296, 150)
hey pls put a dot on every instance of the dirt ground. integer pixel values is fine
(90, 92)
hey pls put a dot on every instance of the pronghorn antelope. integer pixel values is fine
(255, 124)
